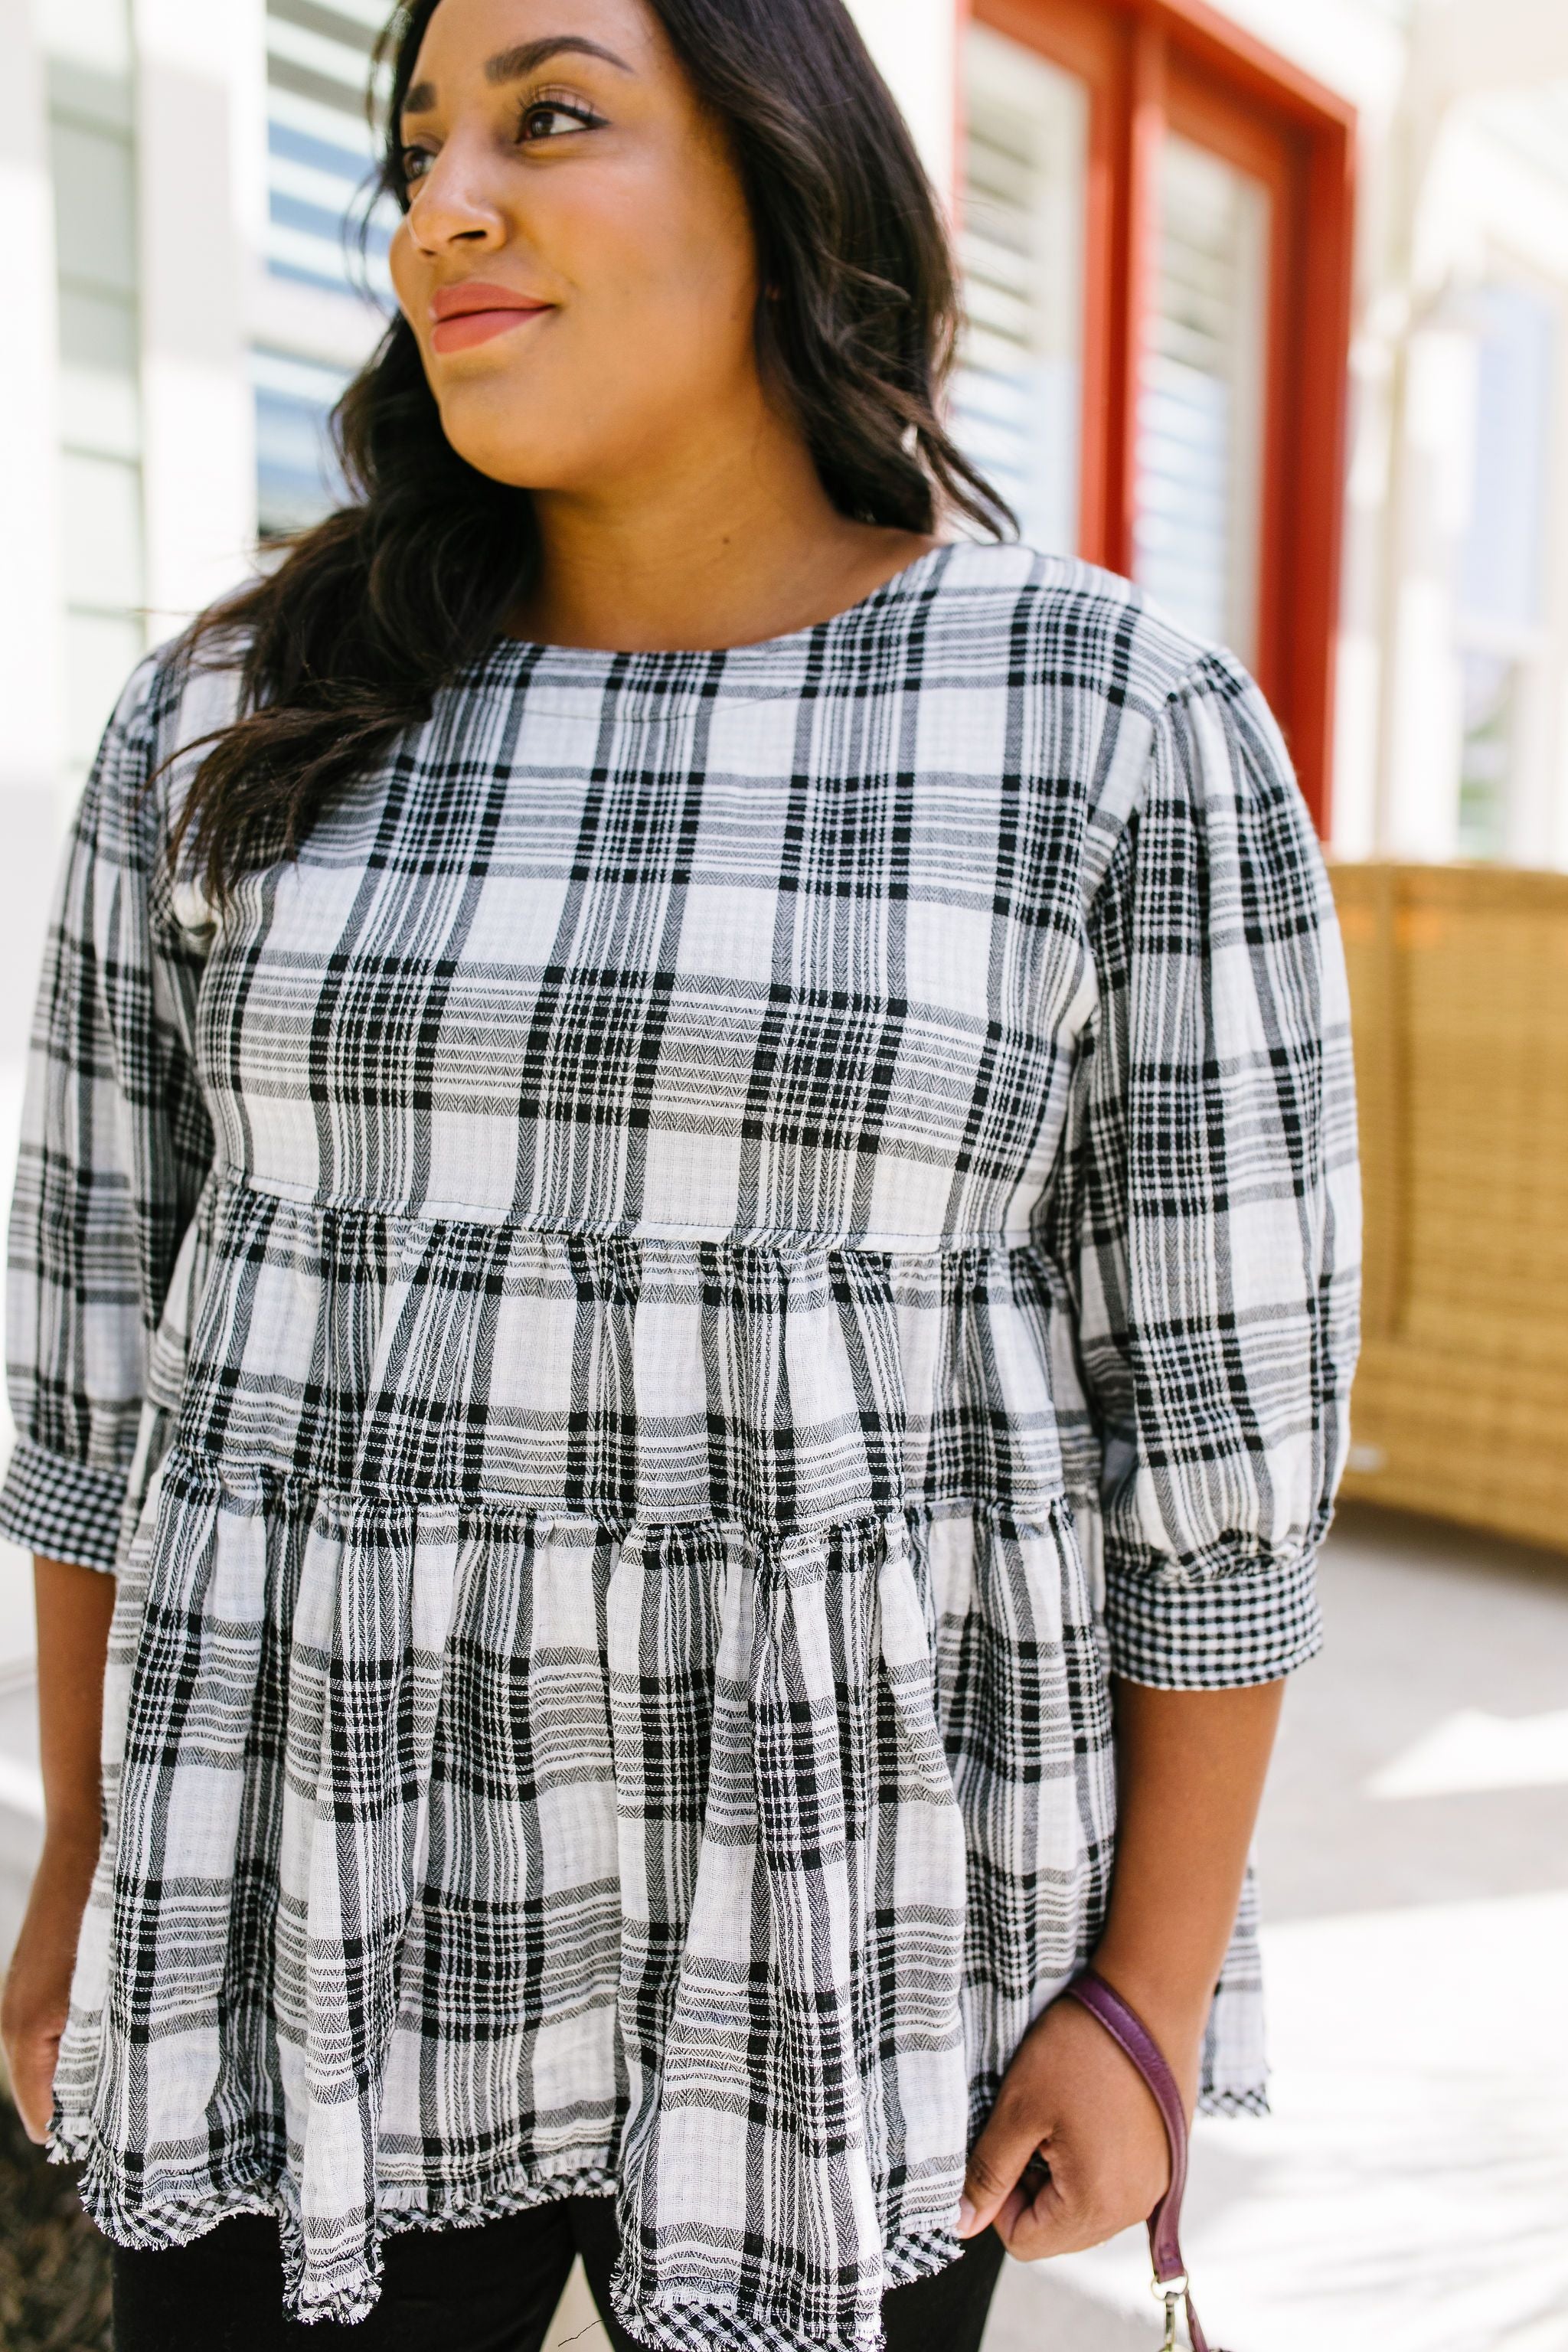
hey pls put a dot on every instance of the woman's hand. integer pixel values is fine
(1071, 2094)
(38, 1987)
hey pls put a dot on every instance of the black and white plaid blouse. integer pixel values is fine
(642, 1327)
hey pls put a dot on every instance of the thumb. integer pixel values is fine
(999, 2156)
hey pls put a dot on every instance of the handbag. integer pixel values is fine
(1127, 2028)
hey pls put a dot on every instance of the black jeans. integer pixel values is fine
(489, 2289)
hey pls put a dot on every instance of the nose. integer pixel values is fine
(452, 208)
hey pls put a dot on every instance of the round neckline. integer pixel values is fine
(681, 658)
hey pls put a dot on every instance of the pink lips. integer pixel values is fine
(471, 313)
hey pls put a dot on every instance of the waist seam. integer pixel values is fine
(778, 1239)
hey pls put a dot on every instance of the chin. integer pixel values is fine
(498, 437)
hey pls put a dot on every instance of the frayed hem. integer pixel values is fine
(400, 2208)
(1235, 2102)
(690, 2321)
(347, 2292)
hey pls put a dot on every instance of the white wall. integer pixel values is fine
(31, 685)
(1357, 47)
(31, 681)
(1445, 198)
(198, 441)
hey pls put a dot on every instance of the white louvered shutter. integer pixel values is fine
(1018, 389)
(319, 154)
(1201, 398)
(318, 146)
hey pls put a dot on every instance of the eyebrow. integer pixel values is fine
(516, 65)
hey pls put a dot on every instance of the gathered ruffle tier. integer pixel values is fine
(608, 1715)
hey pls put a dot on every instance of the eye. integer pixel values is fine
(542, 120)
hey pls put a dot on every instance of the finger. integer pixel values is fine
(1031, 2218)
(33, 2088)
(1057, 2221)
(1083, 2203)
(997, 2161)
(34, 2115)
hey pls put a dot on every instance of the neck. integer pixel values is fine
(728, 541)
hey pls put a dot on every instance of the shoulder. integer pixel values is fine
(1057, 621)
(191, 690)
(174, 692)
(172, 704)
(1104, 687)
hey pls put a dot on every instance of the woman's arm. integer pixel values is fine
(74, 1606)
(1205, 1220)
(116, 1143)
(1190, 1771)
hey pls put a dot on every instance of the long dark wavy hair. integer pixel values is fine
(342, 643)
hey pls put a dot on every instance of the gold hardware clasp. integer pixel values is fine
(1171, 2293)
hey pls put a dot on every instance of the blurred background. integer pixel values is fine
(1267, 307)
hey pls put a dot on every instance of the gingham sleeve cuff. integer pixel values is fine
(1250, 1622)
(64, 1510)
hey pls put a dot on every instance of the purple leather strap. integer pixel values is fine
(1127, 2028)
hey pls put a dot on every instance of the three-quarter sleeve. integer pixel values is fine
(1214, 1201)
(115, 1144)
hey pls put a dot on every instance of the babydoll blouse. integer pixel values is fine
(643, 1327)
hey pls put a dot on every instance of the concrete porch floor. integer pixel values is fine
(1409, 2193)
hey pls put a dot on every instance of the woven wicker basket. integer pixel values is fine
(1460, 984)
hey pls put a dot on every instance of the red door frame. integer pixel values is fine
(1150, 64)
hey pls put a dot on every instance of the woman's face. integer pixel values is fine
(576, 260)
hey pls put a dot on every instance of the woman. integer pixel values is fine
(688, 1191)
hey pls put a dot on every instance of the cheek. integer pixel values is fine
(658, 261)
